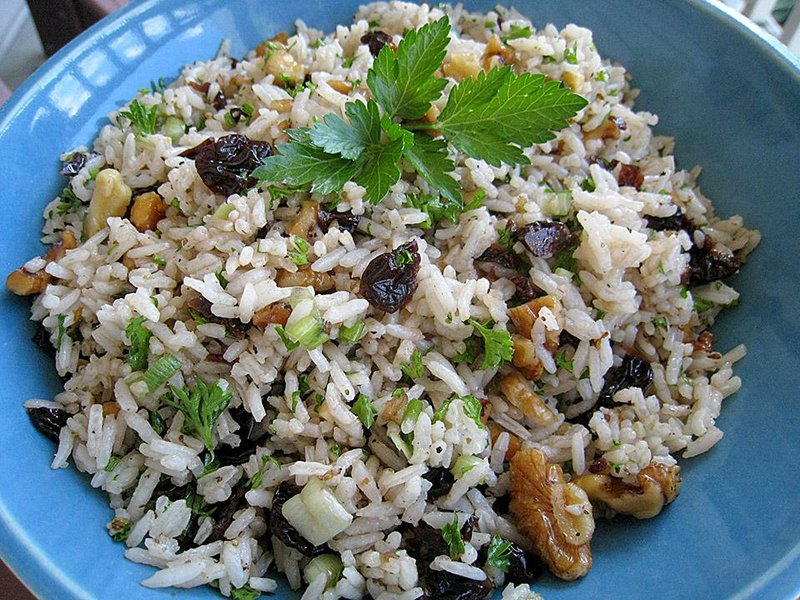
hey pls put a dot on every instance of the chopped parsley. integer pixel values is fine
(588, 185)
(201, 405)
(414, 369)
(498, 553)
(436, 207)
(473, 409)
(244, 593)
(492, 118)
(562, 362)
(139, 337)
(364, 410)
(403, 257)
(516, 32)
(413, 410)
(497, 345)
(157, 422)
(702, 305)
(300, 255)
(661, 322)
(504, 238)
(571, 55)
(123, 533)
(452, 536)
(441, 412)
(68, 202)
(143, 119)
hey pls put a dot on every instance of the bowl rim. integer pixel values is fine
(35, 569)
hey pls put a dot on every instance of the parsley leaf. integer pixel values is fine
(68, 203)
(661, 322)
(497, 114)
(299, 257)
(300, 163)
(380, 169)
(404, 83)
(440, 413)
(139, 337)
(202, 406)
(364, 410)
(497, 345)
(562, 362)
(473, 409)
(431, 160)
(436, 207)
(452, 536)
(498, 553)
(244, 593)
(336, 136)
(143, 119)
(516, 32)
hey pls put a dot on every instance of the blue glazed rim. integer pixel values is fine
(39, 572)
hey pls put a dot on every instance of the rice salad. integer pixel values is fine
(387, 393)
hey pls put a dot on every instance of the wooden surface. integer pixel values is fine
(10, 586)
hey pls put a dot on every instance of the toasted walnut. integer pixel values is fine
(110, 408)
(525, 358)
(607, 130)
(321, 282)
(496, 54)
(304, 220)
(462, 66)
(705, 342)
(111, 198)
(147, 210)
(525, 315)
(656, 486)
(283, 66)
(513, 441)
(556, 516)
(340, 86)
(393, 409)
(281, 105)
(518, 393)
(23, 283)
(274, 314)
(573, 81)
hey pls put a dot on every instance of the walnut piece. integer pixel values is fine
(556, 516)
(306, 219)
(273, 314)
(518, 393)
(656, 486)
(147, 210)
(321, 282)
(23, 283)
(525, 315)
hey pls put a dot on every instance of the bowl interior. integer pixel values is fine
(729, 98)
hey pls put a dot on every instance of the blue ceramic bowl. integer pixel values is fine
(728, 94)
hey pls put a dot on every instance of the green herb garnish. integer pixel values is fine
(498, 553)
(160, 372)
(492, 118)
(143, 119)
(516, 32)
(414, 369)
(497, 345)
(364, 410)
(300, 256)
(354, 333)
(202, 406)
(452, 536)
(139, 337)
(661, 322)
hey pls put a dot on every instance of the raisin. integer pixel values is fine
(280, 527)
(497, 262)
(443, 585)
(42, 339)
(676, 222)
(75, 163)
(225, 164)
(226, 455)
(441, 479)
(202, 308)
(390, 279)
(709, 264)
(220, 101)
(48, 421)
(523, 567)
(229, 508)
(545, 238)
(346, 221)
(376, 40)
(200, 87)
(633, 372)
(630, 175)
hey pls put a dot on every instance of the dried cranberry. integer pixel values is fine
(497, 262)
(376, 40)
(545, 238)
(346, 221)
(676, 222)
(441, 479)
(280, 527)
(75, 163)
(48, 421)
(390, 280)
(633, 372)
(200, 87)
(225, 164)
(630, 175)
(709, 264)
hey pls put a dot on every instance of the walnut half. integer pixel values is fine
(555, 515)
(656, 486)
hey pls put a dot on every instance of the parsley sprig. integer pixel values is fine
(492, 117)
(143, 119)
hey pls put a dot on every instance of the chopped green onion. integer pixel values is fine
(174, 128)
(316, 513)
(288, 342)
(588, 185)
(157, 422)
(329, 565)
(702, 305)
(571, 55)
(354, 333)
(123, 533)
(465, 463)
(160, 372)
(403, 257)
(112, 464)
(308, 331)
(401, 444)
(245, 593)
